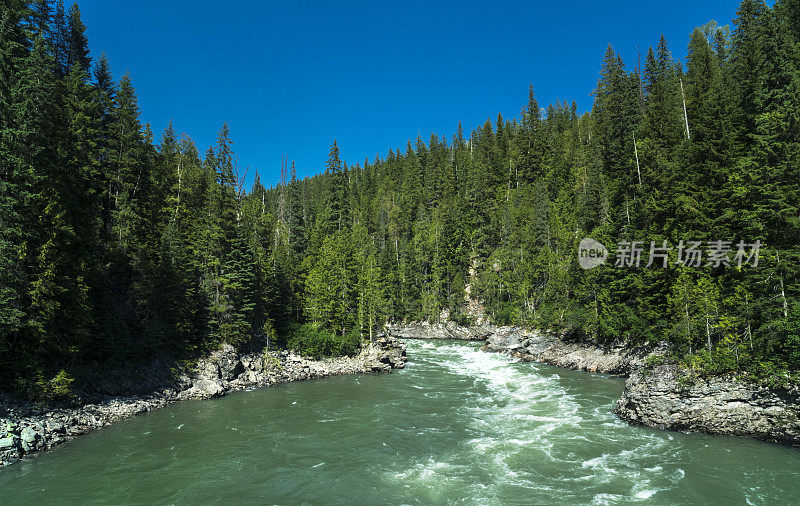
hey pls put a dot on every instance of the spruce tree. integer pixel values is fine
(77, 45)
(529, 142)
(60, 39)
(334, 201)
(15, 192)
(296, 215)
(127, 165)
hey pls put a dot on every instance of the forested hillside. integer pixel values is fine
(116, 247)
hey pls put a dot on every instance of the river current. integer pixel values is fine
(457, 426)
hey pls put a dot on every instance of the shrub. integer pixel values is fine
(37, 388)
(506, 314)
(462, 319)
(317, 342)
(653, 361)
(348, 344)
(60, 385)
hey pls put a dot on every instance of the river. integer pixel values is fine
(457, 426)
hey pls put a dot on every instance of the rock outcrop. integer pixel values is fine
(26, 429)
(535, 346)
(444, 330)
(659, 397)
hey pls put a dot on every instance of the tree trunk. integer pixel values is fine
(783, 297)
(688, 327)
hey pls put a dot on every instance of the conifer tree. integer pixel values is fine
(330, 284)
(296, 215)
(747, 66)
(41, 18)
(15, 189)
(60, 39)
(128, 165)
(77, 45)
(529, 139)
(335, 196)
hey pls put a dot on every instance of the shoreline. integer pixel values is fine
(531, 346)
(26, 430)
(659, 397)
(655, 397)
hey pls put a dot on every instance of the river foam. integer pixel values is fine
(518, 414)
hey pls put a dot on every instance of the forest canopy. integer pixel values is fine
(117, 247)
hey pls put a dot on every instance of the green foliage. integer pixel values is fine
(330, 284)
(656, 360)
(271, 361)
(59, 385)
(57, 388)
(463, 319)
(314, 341)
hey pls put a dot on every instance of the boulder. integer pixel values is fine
(230, 366)
(203, 388)
(8, 443)
(208, 369)
(28, 435)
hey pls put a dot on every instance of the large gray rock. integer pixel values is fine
(54, 426)
(230, 366)
(208, 369)
(387, 351)
(28, 435)
(8, 443)
(507, 339)
(203, 388)
(665, 397)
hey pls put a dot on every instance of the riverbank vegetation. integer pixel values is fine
(116, 247)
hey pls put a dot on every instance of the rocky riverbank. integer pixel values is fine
(26, 429)
(664, 397)
(535, 346)
(443, 330)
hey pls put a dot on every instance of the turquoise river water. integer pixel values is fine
(457, 426)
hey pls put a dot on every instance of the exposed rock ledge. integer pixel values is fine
(718, 406)
(25, 430)
(536, 346)
(445, 330)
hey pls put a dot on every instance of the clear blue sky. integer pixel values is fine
(289, 77)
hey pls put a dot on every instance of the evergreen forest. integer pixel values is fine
(119, 245)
